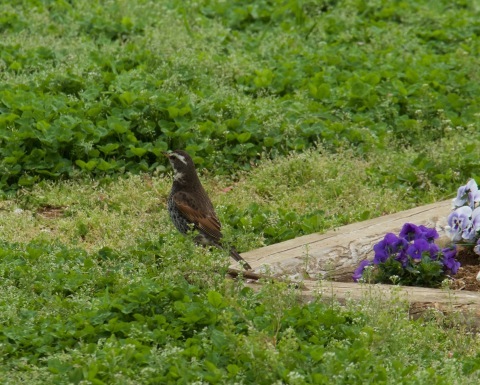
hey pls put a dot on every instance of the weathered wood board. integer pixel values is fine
(335, 254)
(465, 304)
(440, 299)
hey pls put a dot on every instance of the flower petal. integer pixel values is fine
(461, 197)
(473, 195)
(429, 233)
(409, 231)
(458, 221)
(417, 248)
(357, 274)
(449, 260)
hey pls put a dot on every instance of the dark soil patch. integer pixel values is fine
(466, 277)
(49, 211)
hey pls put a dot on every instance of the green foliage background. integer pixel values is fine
(361, 105)
(107, 317)
(105, 87)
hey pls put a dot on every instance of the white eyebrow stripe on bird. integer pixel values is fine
(181, 158)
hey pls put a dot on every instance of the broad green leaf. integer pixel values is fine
(127, 98)
(89, 166)
(269, 141)
(319, 91)
(43, 125)
(359, 89)
(104, 165)
(109, 148)
(7, 118)
(138, 151)
(264, 78)
(119, 125)
(26, 180)
(233, 369)
(173, 112)
(215, 299)
(244, 137)
(399, 86)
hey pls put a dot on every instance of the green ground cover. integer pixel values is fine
(301, 116)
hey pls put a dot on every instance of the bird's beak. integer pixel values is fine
(166, 154)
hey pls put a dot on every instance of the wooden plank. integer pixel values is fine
(336, 253)
(356, 291)
(464, 304)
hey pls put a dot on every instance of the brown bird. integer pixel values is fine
(190, 207)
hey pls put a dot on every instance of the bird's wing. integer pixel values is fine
(206, 222)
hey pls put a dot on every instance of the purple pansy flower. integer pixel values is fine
(357, 274)
(449, 260)
(411, 232)
(414, 242)
(429, 233)
(391, 245)
(433, 250)
(402, 256)
(417, 248)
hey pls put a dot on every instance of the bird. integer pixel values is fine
(190, 208)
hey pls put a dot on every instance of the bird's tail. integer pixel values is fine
(237, 257)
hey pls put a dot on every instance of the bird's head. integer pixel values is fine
(182, 164)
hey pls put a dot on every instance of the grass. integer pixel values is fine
(66, 271)
(122, 211)
(302, 116)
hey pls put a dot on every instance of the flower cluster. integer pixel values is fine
(412, 258)
(464, 221)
